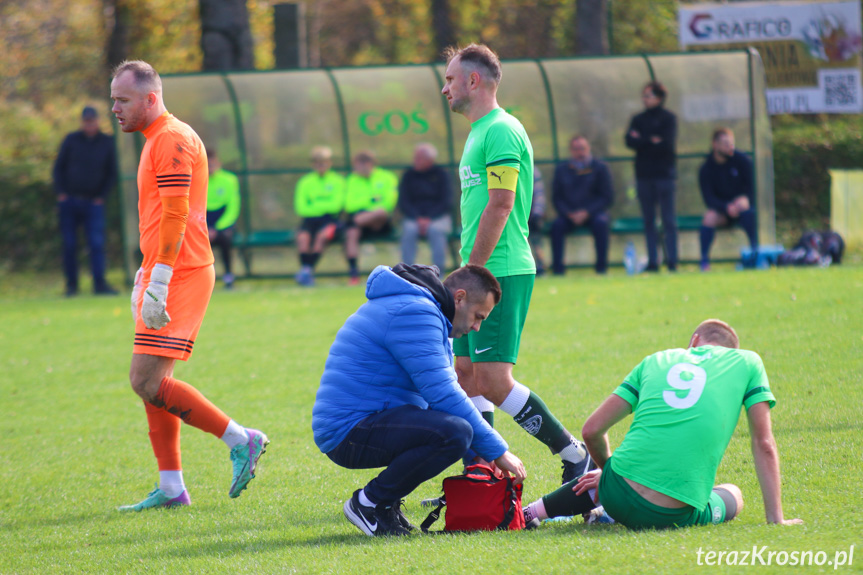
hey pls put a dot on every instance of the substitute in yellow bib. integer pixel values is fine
(370, 197)
(318, 200)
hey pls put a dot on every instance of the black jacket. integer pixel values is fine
(654, 160)
(721, 183)
(588, 189)
(86, 167)
(425, 194)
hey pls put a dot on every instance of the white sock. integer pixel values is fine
(364, 500)
(516, 400)
(235, 435)
(574, 452)
(482, 404)
(535, 510)
(171, 482)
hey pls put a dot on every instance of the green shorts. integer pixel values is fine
(629, 508)
(499, 335)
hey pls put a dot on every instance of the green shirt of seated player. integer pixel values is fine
(370, 188)
(319, 194)
(223, 194)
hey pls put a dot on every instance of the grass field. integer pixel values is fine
(75, 438)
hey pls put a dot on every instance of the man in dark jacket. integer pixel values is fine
(653, 135)
(727, 188)
(84, 174)
(425, 201)
(582, 195)
(389, 396)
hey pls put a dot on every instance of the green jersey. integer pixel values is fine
(497, 140)
(223, 193)
(686, 404)
(379, 190)
(318, 195)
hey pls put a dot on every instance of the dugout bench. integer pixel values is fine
(246, 243)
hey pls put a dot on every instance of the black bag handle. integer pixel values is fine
(433, 516)
(509, 514)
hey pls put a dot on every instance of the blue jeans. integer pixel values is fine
(599, 227)
(413, 444)
(662, 192)
(74, 213)
(438, 232)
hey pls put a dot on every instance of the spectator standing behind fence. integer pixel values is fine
(223, 209)
(84, 173)
(536, 220)
(425, 201)
(653, 135)
(582, 194)
(371, 194)
(318, 199)
(727, 188)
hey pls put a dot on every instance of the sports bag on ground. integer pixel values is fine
(479, 500)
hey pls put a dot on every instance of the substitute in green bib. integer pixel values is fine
(496, 173)
(318, 199)
(685, 405)
(370, 197)
(223, 209)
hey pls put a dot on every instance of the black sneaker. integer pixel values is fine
(401, 517)
(575, 470)
(376, 521)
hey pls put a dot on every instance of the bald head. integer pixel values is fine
(137, 94)
(715, 332)
(145, 76)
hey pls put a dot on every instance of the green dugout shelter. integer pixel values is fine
(264, 125)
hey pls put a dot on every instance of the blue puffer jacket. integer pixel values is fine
(393, 351)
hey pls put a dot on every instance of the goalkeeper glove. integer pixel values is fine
(156, 298)
(136, 292)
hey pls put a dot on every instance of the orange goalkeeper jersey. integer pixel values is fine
(173, 163)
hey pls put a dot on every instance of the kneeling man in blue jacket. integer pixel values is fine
(389, 396)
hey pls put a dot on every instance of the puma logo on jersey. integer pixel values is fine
(499, 178)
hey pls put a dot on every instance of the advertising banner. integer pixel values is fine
(811, 51)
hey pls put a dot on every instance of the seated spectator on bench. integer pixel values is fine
(727, 188)
(536, 220)
(318, 200)
(582, 194)
(370, 197)
(223, 209)
(425, 201)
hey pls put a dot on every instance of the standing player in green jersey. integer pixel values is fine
(686, 403)
(496, 173)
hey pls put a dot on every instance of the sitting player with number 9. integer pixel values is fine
(662, 474)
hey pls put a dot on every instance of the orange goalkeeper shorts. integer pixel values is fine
(188, 296)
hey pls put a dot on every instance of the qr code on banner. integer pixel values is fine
(840, 89)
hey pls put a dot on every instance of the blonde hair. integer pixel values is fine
(322, 153)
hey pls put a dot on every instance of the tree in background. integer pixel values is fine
(444, 35)
(226, 39)
(591, 27)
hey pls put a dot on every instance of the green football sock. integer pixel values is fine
(536, 419)
(563, 502)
